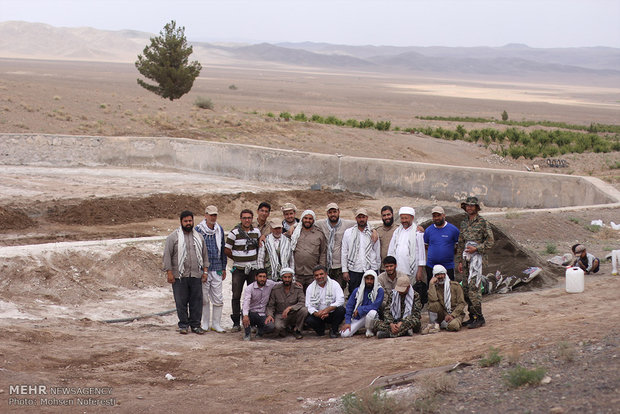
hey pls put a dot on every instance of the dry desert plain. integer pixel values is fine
(54, 297)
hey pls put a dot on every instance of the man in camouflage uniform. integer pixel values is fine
(473, 229)
(401, 311)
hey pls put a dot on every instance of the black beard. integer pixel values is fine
(286, 283)
(441, 223)
(307, 226)
(261, 284)
(334, 220)
(388, 222)
(370, 286)
(187, 229)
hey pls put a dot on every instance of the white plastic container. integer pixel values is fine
(574, 280)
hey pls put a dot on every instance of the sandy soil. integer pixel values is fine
(64, 269)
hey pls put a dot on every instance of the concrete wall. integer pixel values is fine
(375, 177)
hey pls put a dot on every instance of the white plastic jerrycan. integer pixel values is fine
(574, 280)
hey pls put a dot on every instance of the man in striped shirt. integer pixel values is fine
(242, 248)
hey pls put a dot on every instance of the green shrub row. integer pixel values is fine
(332, 120)
(515, 143)
(593, 127)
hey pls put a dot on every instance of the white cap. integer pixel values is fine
(406, 210)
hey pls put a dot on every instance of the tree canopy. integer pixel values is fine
(166, 61)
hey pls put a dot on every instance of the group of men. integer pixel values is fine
(297, 270)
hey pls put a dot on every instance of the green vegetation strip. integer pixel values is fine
(593, 127)
(511, 142)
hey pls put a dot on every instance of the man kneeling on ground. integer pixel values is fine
(446, 302)
(255, 301)
(324, 300)
(401, 312)
(363, 306)
(286, 305)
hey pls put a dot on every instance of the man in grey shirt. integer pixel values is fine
(186, 262)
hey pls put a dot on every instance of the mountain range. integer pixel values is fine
(41, 41)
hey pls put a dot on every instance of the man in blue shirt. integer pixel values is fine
(441, 238)
(363, 306)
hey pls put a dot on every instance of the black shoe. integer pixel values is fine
(333, 334)
(183, 331)
(235, 328)
(198, 331)
(383, 334)
(467, 322)
(476, 323)
(298, 335)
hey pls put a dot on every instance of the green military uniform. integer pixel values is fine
(410, 322)
(436, 303)
(477, 230)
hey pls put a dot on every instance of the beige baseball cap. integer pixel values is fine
(274, 222)
(402, 283)
(361, 210)
(288, 206)
(438, 209)
(211, 210)
(332, 205)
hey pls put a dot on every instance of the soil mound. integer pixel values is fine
(76, 277)
(114, 210)
(134, 268)
(106, 211)
(510, 258)
(14, 219)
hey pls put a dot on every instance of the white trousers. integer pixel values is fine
(212, 290)
(615, 260)
(356, 324)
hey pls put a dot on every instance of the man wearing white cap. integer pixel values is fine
(407, 246)
(333, 227)
(213, 234)
(446, 303)
(363, 306)
(309, 248)
(276, 252)
(359, 252)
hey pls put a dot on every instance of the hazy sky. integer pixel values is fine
(537, 23)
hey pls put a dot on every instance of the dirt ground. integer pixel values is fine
(65, 269)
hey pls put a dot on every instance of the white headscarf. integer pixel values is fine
(359, 296)
(447, 294)
(297, 232)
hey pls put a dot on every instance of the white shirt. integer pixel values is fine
(336, 289)
(360, 261)
(403, 260)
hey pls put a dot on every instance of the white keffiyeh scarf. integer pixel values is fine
(330, 242)
(217, 231)
(182, 250)
(315, 294)
(475, 264)
(359, 296)
(278, 260)
(447, 295)
(297, 231)
(395, 305)
(413, 259)
(355, 247)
